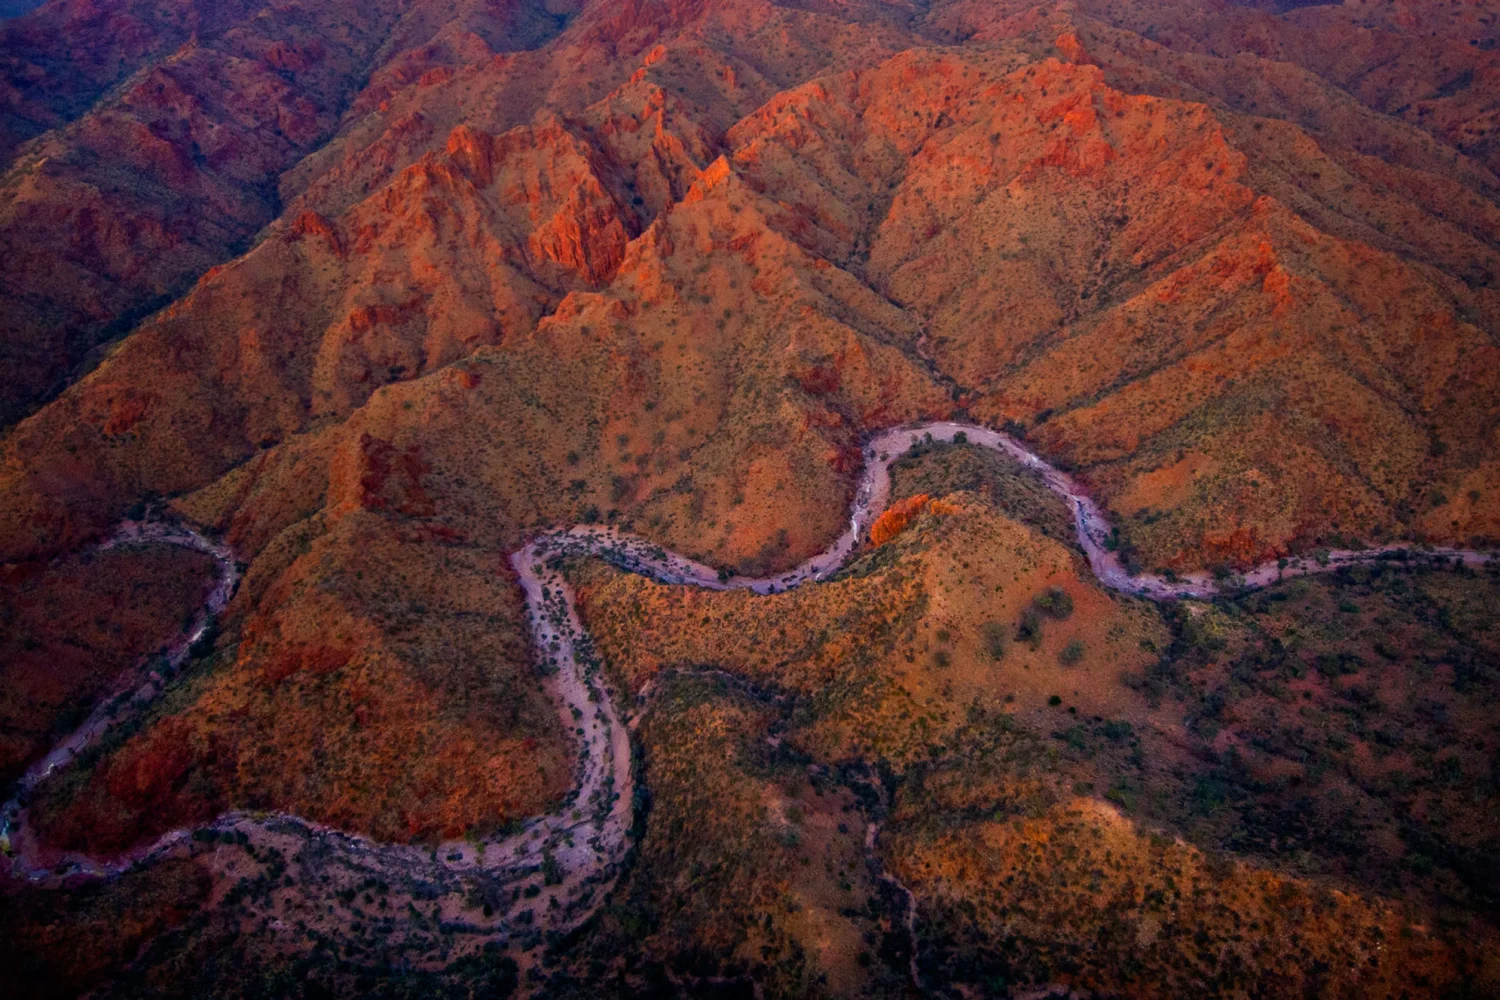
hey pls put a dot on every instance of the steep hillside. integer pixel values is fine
(71, 630)
(118, 204)
(374, 294)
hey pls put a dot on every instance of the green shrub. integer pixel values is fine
(1056, 602)
(1072, 652)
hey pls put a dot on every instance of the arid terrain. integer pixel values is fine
(459, 534)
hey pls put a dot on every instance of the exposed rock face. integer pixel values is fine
(117, 205)
(900, 514)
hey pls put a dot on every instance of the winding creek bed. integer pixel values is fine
(578, 849)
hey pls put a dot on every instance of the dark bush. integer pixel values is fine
(1056, 602)
(995, 639)
(1029, 628)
